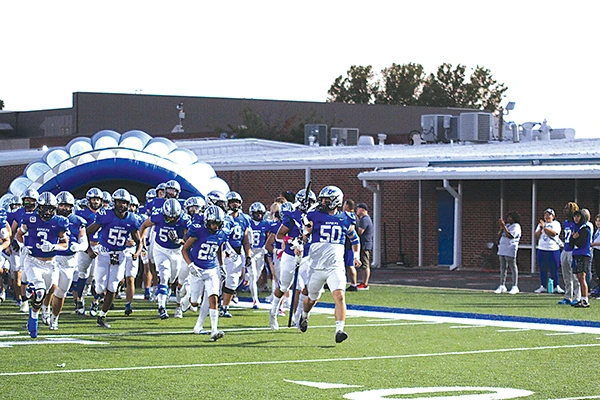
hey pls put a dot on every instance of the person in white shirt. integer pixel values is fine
(548, 250)
(510, 235)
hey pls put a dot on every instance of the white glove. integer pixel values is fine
(47, 247)
(25, 251)
(222, 272)
(74, 247)
(194, 270)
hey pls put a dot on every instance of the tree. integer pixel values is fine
(402, 84)
(1, 104)
(407, 84)
(356, 88)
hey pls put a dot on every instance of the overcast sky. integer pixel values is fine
(545, 52)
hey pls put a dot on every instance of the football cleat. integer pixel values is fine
(178, 313)
(46, 317)
(2, 296)
(162, 313)
(225, 312)
(101, 321)
(128, 310)
(80, 308)
(216, 336)
(53, 323)
(93, 309)
(340, 336)
(32, 326)
(24, 307)
(255, 305)
(303, 324)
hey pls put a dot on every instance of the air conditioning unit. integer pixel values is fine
(344, 136)
(315, 135)
(476, 127)
(435, 127)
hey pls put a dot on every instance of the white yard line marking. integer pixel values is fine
(562, 333)
(310, 361)
(513, 330)
(468, 326)
(48, 341)
(578, 398)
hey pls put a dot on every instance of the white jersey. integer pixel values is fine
(549, 243)
(508, 247)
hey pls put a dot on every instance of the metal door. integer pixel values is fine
(445, 228)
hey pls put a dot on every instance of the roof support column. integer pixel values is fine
(306, 176)
(534, 223)
(376, 189)
(420, 223)
(457, 256)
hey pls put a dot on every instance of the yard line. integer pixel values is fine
(468, 326)
(513, 330)
(578, 398)
(562, 333)
(317, 360)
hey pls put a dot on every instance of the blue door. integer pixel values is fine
(445, 228)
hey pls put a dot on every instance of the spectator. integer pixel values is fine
(596, 256)
(548, 250)
(566, 257)
(582, 254)
(365, 232)
(507, 251)
(348, 254)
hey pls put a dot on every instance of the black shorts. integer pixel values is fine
(582, 264)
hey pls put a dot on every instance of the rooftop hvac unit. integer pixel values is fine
(344, 136)
(315, 135)
(475, 127)
(435, 127)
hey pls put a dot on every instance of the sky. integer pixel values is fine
(543, 51)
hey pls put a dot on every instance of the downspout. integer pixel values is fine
(457, 253)
(376, 263)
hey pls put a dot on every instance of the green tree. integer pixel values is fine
(1, 104)
(357, 87)
(401, 84)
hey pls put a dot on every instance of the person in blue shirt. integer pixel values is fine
(571, 284)
(170, 225)
(86, 259)
(132, 265)
(47, 233)
(203, 252)
(117, 225)
(66, 260)
(328, 228)
(260, 229)
(274, 249)
(239, 239)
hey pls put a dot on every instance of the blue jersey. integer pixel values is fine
(292, 220)
(75, 224)
(162, 228)
(3, 218)
(273, 228)
(39, 230)
(237, 227)
(16, 215)
(259, 230)
(584, 248)
(205, 249)
(569, 227)
(116, 231)
(89, 216)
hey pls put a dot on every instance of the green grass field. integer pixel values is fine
(384, 357)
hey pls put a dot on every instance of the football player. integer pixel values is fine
(239, 239)
(329, 228)
(132, 265)
(294, 252)
(66, 260)
(170, 224)
(117, 224)
(85, 259)
(48, 234)
(259, 228)
(203, 252)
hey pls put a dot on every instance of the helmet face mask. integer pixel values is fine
(218, 199)
(121, 199)
(301, 199)
(234, 201)
(257, 210)
(47, 206)
(46, 212)
(331, 198)
(150, 195)
(214, 217)
(66, 203)
(171, 210)
(172, 189)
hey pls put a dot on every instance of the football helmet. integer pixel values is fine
(106, 197)
(15, 201)
(161, 186)
(214, 217)
(171, 210)
(121, 199)
(197, 202)
(94, 197)
(47, 205)
(134, 201)
(172, 189)
(257, 210)
(301, 199)
(331, 197)
(217, 198)
(150, 195)
(233, 197)
(29, 198)
(66, 203)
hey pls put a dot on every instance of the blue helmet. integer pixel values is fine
(333, 195)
